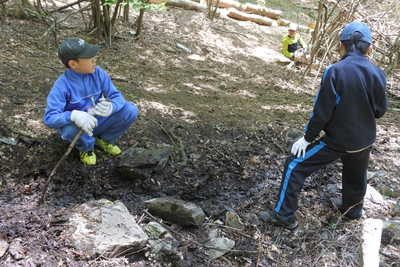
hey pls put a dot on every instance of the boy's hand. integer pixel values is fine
(84, 120)
(104, 108)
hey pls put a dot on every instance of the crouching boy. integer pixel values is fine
(84, 97)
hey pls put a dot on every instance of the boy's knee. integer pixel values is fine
(131, 111)
(68, 132)
(128, 113)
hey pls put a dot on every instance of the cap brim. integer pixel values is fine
(90, 52)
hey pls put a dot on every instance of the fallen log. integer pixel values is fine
(300, 28)
(253, 13)
(263, 11)
(283, 22)
(231, 4)
(235, 14)
(250, 8)
(199, 5)
(181, 3)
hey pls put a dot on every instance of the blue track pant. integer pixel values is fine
(108, 129)
(296, 170)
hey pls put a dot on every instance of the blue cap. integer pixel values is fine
(356, 27)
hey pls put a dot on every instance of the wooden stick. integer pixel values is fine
(71, 146)
(259, 254)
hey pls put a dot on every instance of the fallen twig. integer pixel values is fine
(273, 141)
(259, 254)
(180, 147)
(215, 28)
(321, 254)
(24, 133)
(66, 17)
(193, 241)
(44, 65)
(222, 154)
(58, 9)
(249, 237)
(177, 142)
(333, 225)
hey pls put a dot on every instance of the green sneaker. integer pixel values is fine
(109, 148)
(271, 217)
(88, 157)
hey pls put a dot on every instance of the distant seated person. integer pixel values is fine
(293, 46)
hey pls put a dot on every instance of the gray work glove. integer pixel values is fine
(299, 148)
(104, 108)
(84, 120)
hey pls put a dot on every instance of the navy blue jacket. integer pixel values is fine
(352, 95)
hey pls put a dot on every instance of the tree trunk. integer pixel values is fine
(107, 25)
(97, 17)
(139, 21)
(114, 18)
(126, 14)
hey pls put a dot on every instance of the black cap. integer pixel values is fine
(74, 48)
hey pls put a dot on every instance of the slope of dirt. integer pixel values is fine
(228, 101)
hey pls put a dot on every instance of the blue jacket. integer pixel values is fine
(75, 91)
(352, 95)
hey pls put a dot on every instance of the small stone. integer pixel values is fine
(233, 220)
(220, 246)
(3, 247)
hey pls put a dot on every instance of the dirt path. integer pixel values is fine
(228, 101)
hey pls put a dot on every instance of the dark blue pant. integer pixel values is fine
(354, 177)
(108, 129)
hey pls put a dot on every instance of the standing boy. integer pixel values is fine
(84, 97)
(352, 95)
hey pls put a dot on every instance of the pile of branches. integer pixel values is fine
(382, 18)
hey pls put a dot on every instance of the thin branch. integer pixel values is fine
(66, 6)
(66, 17)
(177, 142)
(321, 254)
(215, 28)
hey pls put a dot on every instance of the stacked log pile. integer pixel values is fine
(235, 10)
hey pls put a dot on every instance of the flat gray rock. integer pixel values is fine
(105, 228)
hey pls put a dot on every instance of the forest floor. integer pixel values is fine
(230, 103)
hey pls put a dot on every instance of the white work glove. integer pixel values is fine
(299, 148)
(299, 52)
(104, 108)
(84, 120)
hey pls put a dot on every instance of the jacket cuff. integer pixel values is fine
(308, 138)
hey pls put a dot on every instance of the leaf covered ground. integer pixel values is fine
(229, 102)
